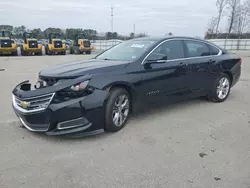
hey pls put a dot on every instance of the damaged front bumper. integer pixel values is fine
(47, 110)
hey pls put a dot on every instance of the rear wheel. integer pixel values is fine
(221, 89)
(117, 109)
(88, 52)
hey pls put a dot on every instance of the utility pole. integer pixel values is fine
(134, 29)
(112, 18)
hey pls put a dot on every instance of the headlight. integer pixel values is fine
(79, 87)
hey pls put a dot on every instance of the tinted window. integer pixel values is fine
(213, 50)
(197, 49)
(173, 49)
(127, 51)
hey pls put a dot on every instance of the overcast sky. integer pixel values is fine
(154, 17)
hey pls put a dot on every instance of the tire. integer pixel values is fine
(88, 52)
(71, 51)
(39, 53)
(22, 51)
(64, 53)
(114, 108)
(220, 96)
(76, 51)
(14, 53)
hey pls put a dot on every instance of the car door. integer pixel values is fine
(166, 78)
(201, 61)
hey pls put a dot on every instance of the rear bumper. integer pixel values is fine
(76, 117)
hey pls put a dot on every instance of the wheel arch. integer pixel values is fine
(230, 75)
(127, 86)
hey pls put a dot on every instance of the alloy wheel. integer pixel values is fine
(120, 110)
(223, 87)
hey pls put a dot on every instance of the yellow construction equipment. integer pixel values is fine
(55, 45)
(31, 45)
(81, 45)
(7, 45)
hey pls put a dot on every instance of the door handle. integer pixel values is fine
(183, 64)
(210, 61)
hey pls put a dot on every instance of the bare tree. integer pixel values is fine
(212, 25)
(243, 20)
(220, 4)
(234, 8)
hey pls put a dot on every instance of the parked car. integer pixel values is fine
(90, 96)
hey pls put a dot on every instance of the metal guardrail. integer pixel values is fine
(232, 44)
(104, 44)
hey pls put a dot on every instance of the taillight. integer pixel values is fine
(240, 60)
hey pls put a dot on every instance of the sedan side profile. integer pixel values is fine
(96, 95)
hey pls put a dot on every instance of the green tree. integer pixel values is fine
(6, 28)
(18, 31)
(109, 35)
(38, 32)
(51, 29)
(90, 33)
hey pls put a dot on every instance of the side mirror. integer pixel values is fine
(156, 58)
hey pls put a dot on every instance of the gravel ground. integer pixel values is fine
(163, 147)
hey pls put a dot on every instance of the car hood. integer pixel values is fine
(80, 68)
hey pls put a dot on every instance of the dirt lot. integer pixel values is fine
(159, 148)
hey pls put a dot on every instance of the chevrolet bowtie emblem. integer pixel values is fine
(25, 104)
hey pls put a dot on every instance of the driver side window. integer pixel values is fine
(172, 49)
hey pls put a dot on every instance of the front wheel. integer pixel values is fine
(117, 109)
(221, 89)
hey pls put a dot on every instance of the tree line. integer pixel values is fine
(237, 14)
(69, 33)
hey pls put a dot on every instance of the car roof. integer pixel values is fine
(160, 39)
(165, 38)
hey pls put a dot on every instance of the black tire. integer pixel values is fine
(76, 51)
(214, 96)
(14, 53)
(39, 53)
(22, 51)
(64, 53)
(109, 106)
(88, 52)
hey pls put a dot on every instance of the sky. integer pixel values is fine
(153, 17)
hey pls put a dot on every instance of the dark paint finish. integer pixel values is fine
(146, 82)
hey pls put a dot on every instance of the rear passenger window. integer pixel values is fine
(197, 49)
(214, 50)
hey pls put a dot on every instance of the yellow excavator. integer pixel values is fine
(7, 45)
(31, 45)
(81, 45)
(55, 45)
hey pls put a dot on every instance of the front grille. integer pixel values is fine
(33, 44)
(58, 44)
(6, 43)
(33, 104)
(87, 44)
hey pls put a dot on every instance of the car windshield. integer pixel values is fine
(127, 51)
